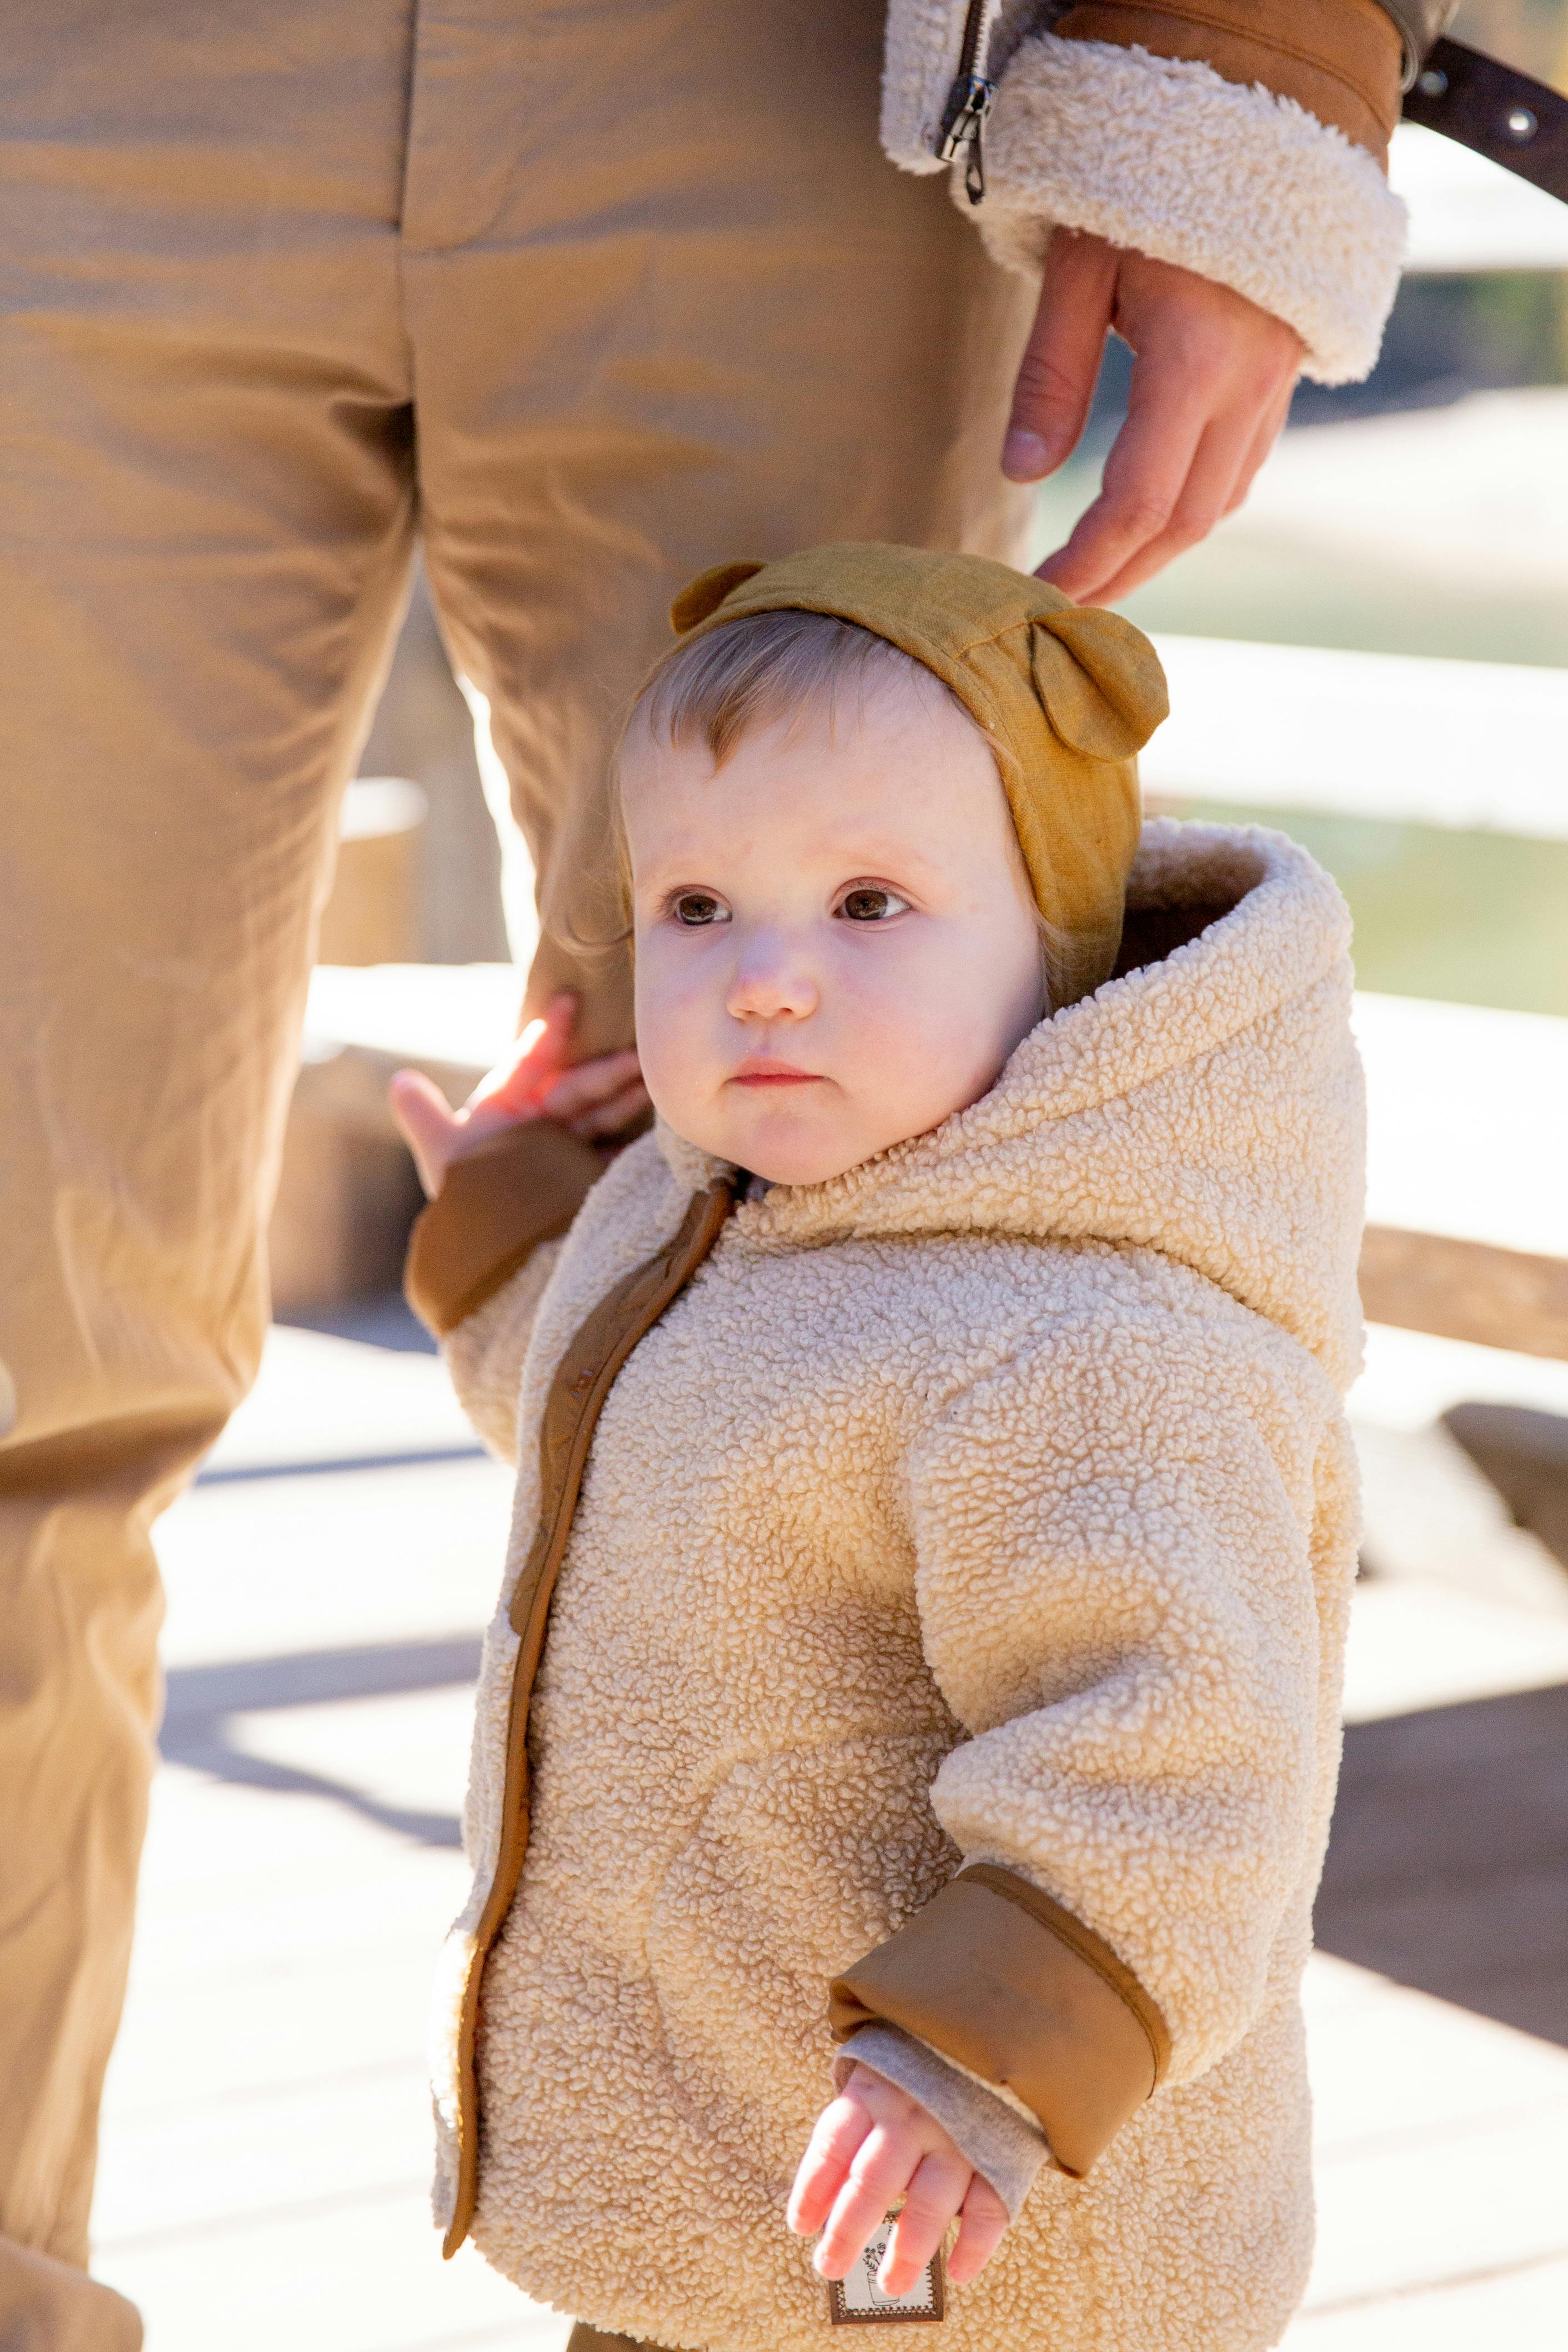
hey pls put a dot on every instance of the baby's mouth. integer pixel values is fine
(765, 1070)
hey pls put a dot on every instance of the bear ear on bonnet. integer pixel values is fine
(707, 592)
(1100, 680)
(1065, 696)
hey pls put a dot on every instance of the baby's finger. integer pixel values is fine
(428, 1123)
(590, 1083)
(877, 2179)
(931, 2201)
(533, 1064)
(981, 2231)
(611, 1118)
(841, 2129)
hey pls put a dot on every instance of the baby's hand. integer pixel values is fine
(597, 1101)
(871, 2147)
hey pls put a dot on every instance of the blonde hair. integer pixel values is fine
(766, 668)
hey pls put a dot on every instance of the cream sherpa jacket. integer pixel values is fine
(1244, 140)
(990, 1507)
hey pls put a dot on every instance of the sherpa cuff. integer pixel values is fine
(1339, 59)
(1008, 1984)
(1002, 2148)
(1238, 185)
(523, 1187)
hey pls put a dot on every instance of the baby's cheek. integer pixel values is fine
(682, 1101)
(674, 1026)
(924, 1037)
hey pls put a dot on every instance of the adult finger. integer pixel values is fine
(877, 2177)
(1060, 365)
(1144, 476)
(428, 1124)
(1263, 441)
(982, 2227)
(934, 2195)
(1204, 498)
(1233, 444)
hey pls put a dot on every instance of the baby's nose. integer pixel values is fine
(770, 984)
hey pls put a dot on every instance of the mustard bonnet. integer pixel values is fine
(1065, 695)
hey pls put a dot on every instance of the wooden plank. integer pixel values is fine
(1460, 1289)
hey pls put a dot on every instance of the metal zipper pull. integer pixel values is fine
(963, 127)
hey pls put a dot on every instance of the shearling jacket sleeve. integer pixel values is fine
(1122, 1596)
(1244, 140)
(482, 1254)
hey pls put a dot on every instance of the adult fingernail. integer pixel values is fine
(1024, 456)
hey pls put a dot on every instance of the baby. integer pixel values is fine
(935, 1517)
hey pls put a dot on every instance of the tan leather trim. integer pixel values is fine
(1460, 1289)
(1089, 1948)
(521, 1187)
(1341, 59)
(1007, 1982)
(584, 1378)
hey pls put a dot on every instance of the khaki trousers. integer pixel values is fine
(591, 296)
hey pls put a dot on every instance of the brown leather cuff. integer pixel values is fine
(1341, 59)
(1009, 1985)
(523, 1187)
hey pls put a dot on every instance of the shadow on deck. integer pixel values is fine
(1447, 1867)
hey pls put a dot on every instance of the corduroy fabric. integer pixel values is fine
(1066, 696)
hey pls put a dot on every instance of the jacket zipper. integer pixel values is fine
(968, 104)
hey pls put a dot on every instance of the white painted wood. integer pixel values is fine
(1476, 746)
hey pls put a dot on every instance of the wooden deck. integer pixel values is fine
(266, 2141)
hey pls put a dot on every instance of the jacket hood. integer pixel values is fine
(1207, 1102)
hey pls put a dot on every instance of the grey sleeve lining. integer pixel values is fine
(1002, 2148)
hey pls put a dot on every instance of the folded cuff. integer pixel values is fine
(1001, 2147)
(1237, 184)
(1340, 60)
(523, 1187)
(1006, 1982)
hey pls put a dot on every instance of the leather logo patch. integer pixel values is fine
(858, 2301)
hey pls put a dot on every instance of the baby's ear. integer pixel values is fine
(707, 592)
(1099, 679)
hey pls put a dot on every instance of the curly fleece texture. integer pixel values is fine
(993, 1501)
(1238, 185)
(1165, 157)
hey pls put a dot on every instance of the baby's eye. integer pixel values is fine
(869, 903)
(697, 909)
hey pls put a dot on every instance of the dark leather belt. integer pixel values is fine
(1506, 116)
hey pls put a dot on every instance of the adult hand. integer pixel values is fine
(1212, 380)
(597, 1101)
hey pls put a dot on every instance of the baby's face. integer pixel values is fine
(835, 946)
